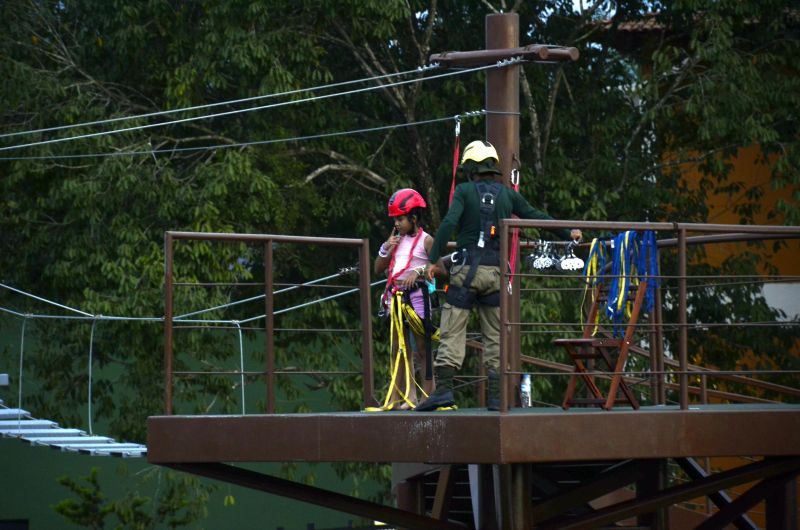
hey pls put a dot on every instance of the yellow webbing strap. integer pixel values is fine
(417, 326)
(634, 275)
(593, 277)
(628, 277)
(397, 309)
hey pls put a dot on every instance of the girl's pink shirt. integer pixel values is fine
(418, 259)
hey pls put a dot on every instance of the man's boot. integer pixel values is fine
(443, 396)
(493, 391)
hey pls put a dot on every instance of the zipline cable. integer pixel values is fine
(246, 144)
(219, 103)
(499, 64)
(43, 300)
(87, 316)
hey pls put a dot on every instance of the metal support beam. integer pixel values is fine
(613, 478)
(653, 480)
(521, 496)
(502, 495)
(726, 479)
(782, 506)
(721, 499)
(747, 500)
(318, 496)
(444, 492)
(488, 509)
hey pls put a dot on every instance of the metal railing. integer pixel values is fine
(269, 373)
(691, 379)
(511, 358)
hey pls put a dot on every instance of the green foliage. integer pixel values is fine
(604, 138)
(179, 502)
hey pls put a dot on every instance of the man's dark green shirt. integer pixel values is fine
(464, 215)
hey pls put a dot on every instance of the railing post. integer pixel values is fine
(703, 389)
(269, 327)
(505, 300)
(168, 309)
(683, 310)
(661, 397)
(366, 324)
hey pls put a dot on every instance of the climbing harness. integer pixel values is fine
(385, 297)
(396, 304)
(623, 276)
(400, 310)
(633, 259)
(593, 272)
(479, 254)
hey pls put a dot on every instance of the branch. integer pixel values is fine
(647, 115)
(551, 108)
(394, 95)
(490, 6)
(352, 168)
(534, 119)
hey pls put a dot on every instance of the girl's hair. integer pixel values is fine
(418, 214)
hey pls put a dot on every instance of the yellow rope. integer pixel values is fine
(416, 323)
(397, 309)
(592, 272)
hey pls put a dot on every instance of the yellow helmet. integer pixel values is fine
(479, 151)
(480, 157)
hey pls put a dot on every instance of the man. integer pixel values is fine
(477, 207)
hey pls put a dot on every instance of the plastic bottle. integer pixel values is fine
(525, 390)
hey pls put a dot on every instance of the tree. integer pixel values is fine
(83, 223)
(180, 504)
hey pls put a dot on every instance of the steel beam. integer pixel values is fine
(612, 479)
(782, 507)
(444, 492)
(746, 501)
(756, 471)
(721, 499)
(320, 497)
(478, 436)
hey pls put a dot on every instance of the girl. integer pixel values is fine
(404, 256)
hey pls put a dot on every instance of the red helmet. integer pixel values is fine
(405, 200)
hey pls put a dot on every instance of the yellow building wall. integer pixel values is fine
(722, 208)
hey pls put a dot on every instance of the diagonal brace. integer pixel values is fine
(321, 497)
(719, 498)
(757, 470)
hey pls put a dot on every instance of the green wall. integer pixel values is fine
(28, 489)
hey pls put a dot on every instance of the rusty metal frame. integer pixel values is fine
(616, 476)
(721, 499)
(313, 495)
(267, 240)
(717, 233)
(444, 493)
(782, 469)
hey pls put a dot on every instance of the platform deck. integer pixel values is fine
(479, 436)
